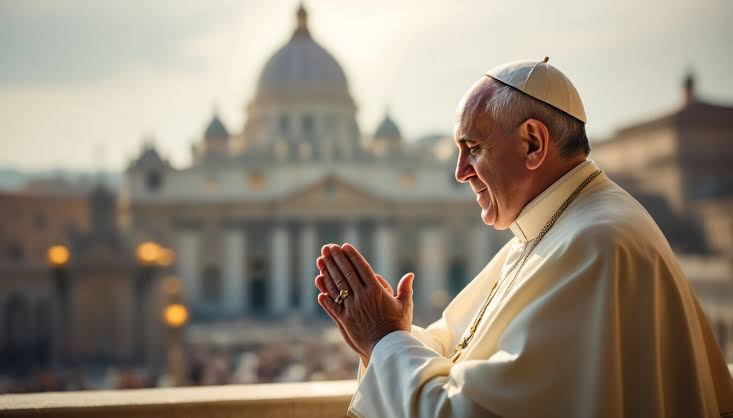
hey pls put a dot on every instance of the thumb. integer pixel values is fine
(404, 288)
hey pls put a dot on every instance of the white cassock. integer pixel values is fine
(601, 322)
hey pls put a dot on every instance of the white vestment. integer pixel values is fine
(601, 322)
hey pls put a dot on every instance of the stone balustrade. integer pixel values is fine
(272, 400)
(291, 400)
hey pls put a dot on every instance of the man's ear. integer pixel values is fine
(536, 139)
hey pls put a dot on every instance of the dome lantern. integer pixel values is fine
(302, 20)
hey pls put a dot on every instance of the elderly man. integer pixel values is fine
(584, 313)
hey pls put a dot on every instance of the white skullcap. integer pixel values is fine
(543, 82)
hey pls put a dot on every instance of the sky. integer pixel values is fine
(84, 83)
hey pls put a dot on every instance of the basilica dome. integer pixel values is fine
(302, 108)
(302, 68)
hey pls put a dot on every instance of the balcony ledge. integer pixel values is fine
(292, 400)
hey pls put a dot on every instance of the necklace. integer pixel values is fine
(520, 262)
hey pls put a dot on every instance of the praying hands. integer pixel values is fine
(361, 302)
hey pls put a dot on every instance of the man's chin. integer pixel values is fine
(488, 216)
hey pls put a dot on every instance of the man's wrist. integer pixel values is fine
(382, 335)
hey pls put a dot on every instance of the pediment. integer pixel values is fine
(331, 195)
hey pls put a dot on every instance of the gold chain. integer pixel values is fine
(520, 261)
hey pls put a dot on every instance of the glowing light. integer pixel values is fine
(175, 315)
(148, 252)
(58, 255)
(166, 257)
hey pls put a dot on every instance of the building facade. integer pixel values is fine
(71, 289)
(248, 217)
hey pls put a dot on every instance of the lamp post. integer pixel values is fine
(57, 258)
(175, 317)
(150, 256)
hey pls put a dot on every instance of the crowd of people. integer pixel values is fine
(289, 353)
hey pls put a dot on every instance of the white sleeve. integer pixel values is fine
(431, 337)
(418, 382)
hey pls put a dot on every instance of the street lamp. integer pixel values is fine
(58, 257)
(150, 255)
(175, 317)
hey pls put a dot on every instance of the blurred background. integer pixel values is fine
(169, 170)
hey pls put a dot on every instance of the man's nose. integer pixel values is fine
(464, 170)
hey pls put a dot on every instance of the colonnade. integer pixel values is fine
(301, 244)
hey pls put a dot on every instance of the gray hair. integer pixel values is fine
(510, 107)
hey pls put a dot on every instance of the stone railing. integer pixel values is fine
(291, 400)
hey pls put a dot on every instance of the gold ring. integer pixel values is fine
(342, 295)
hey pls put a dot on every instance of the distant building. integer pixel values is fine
(249, 216)
(679, 167)
(95, 306)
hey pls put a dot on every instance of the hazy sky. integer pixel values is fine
(82, 83)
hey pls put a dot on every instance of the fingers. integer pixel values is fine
(345, 266)
(341, 329)
(320, 285)
(385, 284)
(362, 266)
(329, 285)
(331, 307)
(324, 282)
(321, 264)
(335, 273)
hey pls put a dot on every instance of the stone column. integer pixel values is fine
(384, 252)
(351, 234)
(187, 265)
(280, 271)
(308, 255)
(235, 286)
(431, 264)
(480, 248)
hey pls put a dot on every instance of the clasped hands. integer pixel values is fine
(372, 310)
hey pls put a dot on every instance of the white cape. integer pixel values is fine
(601, 322)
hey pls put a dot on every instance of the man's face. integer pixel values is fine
(490, 161)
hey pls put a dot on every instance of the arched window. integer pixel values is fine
(44, 332)
(153, 180)
(17, 330)
(258, 285)
(309, 129)
(211, 281)
(284, 124)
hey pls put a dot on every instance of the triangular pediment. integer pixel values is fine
(331, 195)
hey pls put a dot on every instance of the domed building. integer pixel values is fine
(302, 108)
(387, 140)
(248, 217)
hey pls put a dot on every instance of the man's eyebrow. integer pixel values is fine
(464, 139)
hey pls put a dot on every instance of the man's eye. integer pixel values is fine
(474, 150)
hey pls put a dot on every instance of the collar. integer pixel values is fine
(536, 213)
